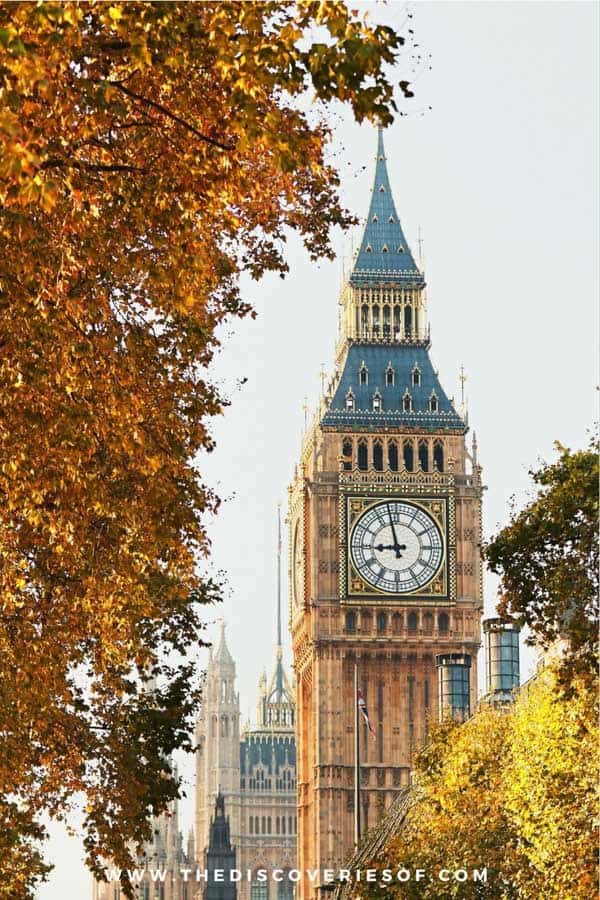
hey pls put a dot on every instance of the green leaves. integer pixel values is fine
(547, 558)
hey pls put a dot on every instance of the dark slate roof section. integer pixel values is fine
(383, 230)
(403, 358)
(258, 749)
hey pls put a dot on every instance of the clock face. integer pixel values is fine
(396, 547)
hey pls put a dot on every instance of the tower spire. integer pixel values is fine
(384, 248)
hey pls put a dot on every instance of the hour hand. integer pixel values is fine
(395, 547)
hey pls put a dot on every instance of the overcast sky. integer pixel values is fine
(501, 176)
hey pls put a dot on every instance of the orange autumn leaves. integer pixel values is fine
(149, 154)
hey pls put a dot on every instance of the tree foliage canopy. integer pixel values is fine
(547, 557)
(510, 790)
(149, 154)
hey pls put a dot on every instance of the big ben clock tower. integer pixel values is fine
(385, 527)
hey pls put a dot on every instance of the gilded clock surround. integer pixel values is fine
(352, 585)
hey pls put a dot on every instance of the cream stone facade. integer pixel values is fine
(385, 530)
(255, 772)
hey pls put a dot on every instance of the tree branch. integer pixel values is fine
(170, 115)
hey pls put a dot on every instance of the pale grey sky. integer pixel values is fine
(502, 176)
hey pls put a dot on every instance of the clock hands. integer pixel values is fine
(396, 546)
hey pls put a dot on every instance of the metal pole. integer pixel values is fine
(356, 760)
(279, 575)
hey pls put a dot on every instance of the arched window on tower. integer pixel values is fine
(407, 404)
(364, 321)
(407, 321)
(363, 459)
(363, 374)
(416, 375)
(438, 456)
(396, 323)
(350, 399)
(409, 457)
(351, 622)
(396, 623)
(412, 621)
(428, 623)
(347, 455)
(376, 403)
(386, 323)
(381, 622)
(389, 375)
(424, 456)
(378, 456)
(443, 621)
(433, 403)
(375, 320)
(393, 456)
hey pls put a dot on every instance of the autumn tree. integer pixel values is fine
(547, 558)
(512, 790)
(149, 154)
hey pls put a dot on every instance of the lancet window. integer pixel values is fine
(424, 456)
(347, 454)
(378, 456)
(363, 459)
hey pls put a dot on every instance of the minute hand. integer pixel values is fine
(397, 546)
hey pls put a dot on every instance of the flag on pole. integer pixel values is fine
(363, 708)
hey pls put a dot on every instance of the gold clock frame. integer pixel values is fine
(441, 589)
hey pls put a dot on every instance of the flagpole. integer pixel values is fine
(356, 760)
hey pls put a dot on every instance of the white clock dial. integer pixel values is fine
(396, 547)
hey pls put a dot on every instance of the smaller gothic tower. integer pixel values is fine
(218, 741)
(219, 855)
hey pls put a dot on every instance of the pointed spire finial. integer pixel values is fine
(384, 249)
(462, 378)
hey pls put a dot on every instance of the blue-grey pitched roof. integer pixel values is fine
(403, 359)
(384, 254)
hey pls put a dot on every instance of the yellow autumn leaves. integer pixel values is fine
(513, 790)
